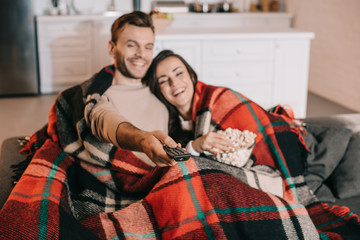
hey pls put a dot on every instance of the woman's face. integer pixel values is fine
(175, 84)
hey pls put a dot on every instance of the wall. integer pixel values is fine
(335, 52)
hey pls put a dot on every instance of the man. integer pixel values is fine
(127, 100)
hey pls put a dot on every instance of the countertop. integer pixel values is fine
(231, 32)
(179, 16)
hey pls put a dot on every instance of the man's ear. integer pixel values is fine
(111, 48)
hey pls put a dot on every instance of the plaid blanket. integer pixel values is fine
(78, 188)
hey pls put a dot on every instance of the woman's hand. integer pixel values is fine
(212, 142)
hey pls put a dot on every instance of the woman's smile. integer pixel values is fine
(176, 84)
(179, 92)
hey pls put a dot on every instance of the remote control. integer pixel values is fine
(178, 154)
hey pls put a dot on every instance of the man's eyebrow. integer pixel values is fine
(135, 42)
(131, 41)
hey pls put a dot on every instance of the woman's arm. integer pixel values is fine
(212, 142)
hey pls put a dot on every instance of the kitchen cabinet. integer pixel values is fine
(71, 48)
(246, 66)
(190, 50)
(268, 66)
(65, 51)
(266, 63)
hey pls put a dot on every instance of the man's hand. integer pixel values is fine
(152, 146)
(151, 143)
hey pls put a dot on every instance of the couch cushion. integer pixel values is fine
(9, 155)
(327, 147)
(346, 177)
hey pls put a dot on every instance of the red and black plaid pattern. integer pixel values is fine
(61, 196)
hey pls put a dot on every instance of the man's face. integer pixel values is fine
(133, 51)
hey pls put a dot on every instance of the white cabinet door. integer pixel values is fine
(102, 37)
(63, 71)
(65, 54)
(246, 66)
(291, 74)
(190, 50)
(235, 50)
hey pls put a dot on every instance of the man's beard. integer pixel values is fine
(120, 65)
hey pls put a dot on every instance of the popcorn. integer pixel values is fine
(243, 141)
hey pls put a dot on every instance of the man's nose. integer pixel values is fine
(140, 52)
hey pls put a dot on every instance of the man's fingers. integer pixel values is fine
(161, 158)
(165, 139)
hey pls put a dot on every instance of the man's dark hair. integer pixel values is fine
(136, 18)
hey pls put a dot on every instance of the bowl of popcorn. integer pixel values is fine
(244, 143)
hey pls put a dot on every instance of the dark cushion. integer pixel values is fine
(9, 156)
(327, 147)
(345, 180)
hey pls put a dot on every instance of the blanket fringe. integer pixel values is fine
(341, 211)
(299, 126)
(29, 146)
(19, 168)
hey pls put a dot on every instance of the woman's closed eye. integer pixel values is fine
(163, 80)
(179, 73)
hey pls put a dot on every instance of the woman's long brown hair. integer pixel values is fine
(151, 80)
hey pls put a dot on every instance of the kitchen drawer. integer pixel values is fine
(56, 29)
(268, 22)
(54, 37)
(232, 50)
(253, 72)
(70, 43)
(190, 50)
(258, 93)
(72, 69)
(64, 71)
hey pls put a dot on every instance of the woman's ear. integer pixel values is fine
(111, 48)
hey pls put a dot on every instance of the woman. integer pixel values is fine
(202, 109)
(197, 110)
(173, 81)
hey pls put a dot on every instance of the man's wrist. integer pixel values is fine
(129, 137)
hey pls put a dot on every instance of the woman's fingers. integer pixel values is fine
(217, 142)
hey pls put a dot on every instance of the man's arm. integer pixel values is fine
(110, 126)
(151, 143)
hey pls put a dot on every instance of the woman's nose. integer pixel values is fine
(173, 83)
